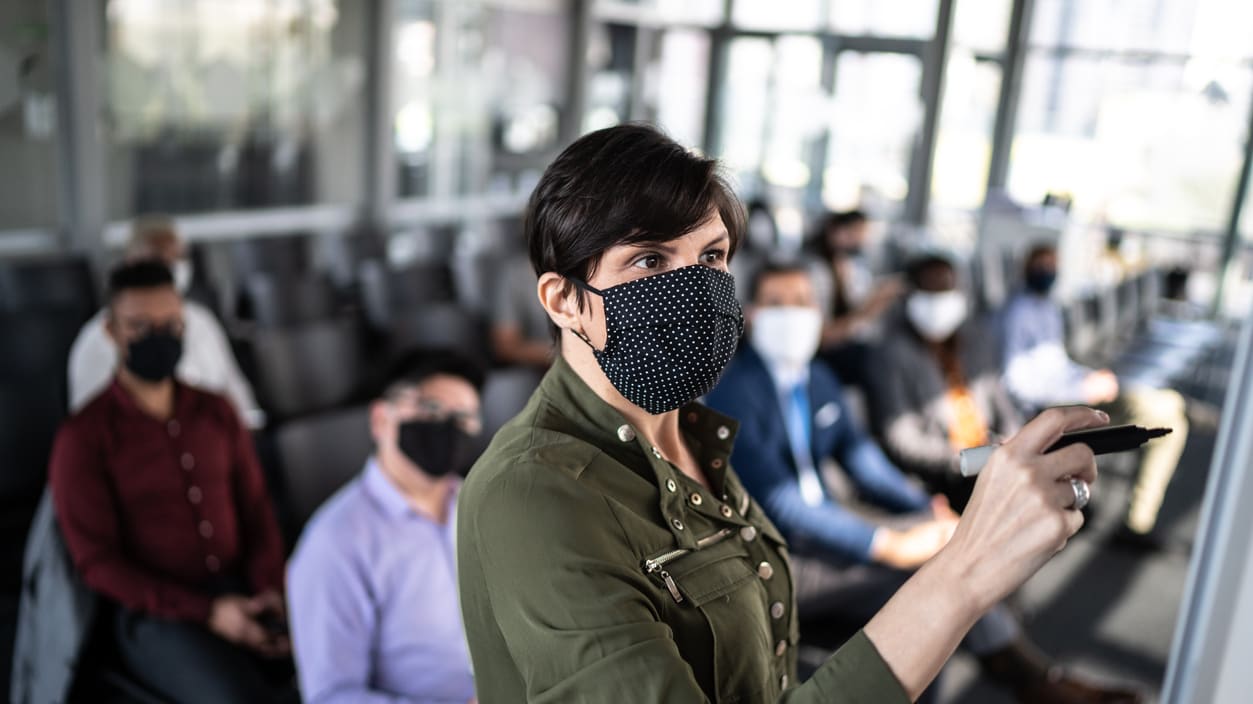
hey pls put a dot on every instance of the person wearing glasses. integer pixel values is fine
(608, 552)
(372, 584)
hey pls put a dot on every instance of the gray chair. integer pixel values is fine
(439, 326)
(60, 283)
(288, 300)
(307, 368)
(319, 454)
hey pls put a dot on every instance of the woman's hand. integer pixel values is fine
(1021, 512)
(1019, 517)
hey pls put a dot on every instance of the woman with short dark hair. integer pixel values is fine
(608, 552)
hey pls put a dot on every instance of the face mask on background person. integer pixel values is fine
(182, 272)
(936, 315)
(668, 336)
(787, 335)
(154, 356)
(437, 447)
(1041, 281)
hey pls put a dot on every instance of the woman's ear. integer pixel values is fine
(559, 301)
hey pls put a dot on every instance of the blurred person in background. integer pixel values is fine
(165, 513)
(207, 362)
(519, 331)
(858, 301)
(937, 382)
(372, 584)
(849, 554)
(1039, 373)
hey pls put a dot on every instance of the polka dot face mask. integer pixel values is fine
(669, 335)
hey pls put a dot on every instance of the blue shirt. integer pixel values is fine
(767, 464)
(372, 592)
(1038, 371)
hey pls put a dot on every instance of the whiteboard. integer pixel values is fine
(1212, 656)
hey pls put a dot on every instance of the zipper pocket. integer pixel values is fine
(657, 565)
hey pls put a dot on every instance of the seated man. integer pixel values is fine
(1039, 373)
(207, 362)
(165, 513)
(373, 587)
(937, 381)
(846, 563)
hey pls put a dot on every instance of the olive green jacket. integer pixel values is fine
(592, 570)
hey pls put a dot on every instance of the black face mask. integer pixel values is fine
(438, 448)
(1041, 280)
(154, 356)
(669, 336)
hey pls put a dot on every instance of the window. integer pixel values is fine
(231, 104)
(963, 147)
(877, 114)
(479, 95)
(892, 18)
(771, 15)
(676, 85)
(28, 121)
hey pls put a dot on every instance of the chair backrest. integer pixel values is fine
(289, 300)
(288, 255)
(439, 326)
(505, 392)
(307, 368)
(61, 283)
(31, 409)
(321, 453)
(388, 293)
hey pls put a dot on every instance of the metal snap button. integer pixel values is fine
(696, 499)
(765, 570)
(626, 433)
(671, 486)
(748, 533)
(678, 525)
(723, 432)
(777, 609)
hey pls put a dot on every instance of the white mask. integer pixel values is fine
(936, 316)
(182, 275)
(787, 335)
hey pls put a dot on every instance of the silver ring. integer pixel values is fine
(1083, 494)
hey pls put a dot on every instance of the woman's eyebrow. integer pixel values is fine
(721, 237)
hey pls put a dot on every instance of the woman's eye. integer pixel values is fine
(651, 261)
(713, 256)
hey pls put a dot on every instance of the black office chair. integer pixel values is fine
(307, 368)
(319, 454)
(288, 300)
(61, 283)
(439, 326)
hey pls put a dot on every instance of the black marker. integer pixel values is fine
(1103, 441)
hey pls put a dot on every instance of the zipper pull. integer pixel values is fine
(674, 588)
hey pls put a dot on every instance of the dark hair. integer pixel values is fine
(141, 274)
(622, 185)
(836, 221)
(774, 268)
(918, 266)
(1038, 250)
(418, 366)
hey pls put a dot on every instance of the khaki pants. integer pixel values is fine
(1153, 408)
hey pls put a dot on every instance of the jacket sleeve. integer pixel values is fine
(1038, 370)
(88, 515)
(909, 439)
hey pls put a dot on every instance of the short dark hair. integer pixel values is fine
(141, 274)
(774, 268)
(418, 366)
(622, 185)
(836, 221)
(1038, 250)
(921, 264)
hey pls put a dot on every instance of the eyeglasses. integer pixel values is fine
(432, 410)
(139, 327)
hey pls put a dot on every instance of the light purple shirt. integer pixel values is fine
(372, 600)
